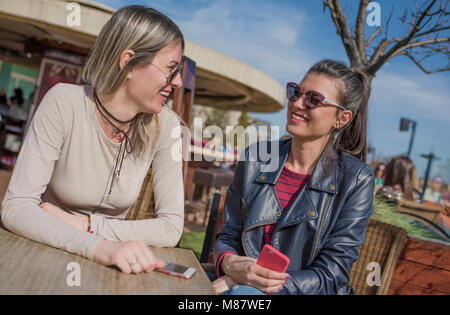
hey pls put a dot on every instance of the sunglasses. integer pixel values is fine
(172, 74)
(312, 98)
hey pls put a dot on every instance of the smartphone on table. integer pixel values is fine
(178, 270)
(273, 259)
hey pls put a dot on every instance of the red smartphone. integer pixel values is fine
(273, 259)
(177, 270)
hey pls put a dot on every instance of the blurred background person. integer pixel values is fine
(379, 176)
(445, 199)
(434, 190)
(17, 99)
(4, 107)
(17, 102)
(400, 179)
(3, 98)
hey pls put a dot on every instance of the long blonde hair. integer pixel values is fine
(145, 31)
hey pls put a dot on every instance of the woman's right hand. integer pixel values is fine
(244, 270)
(129, 256)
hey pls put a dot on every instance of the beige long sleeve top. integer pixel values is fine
(67, 160)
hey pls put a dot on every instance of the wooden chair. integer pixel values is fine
(215, 221)
(206, 181)
(383, 245)
(144, 207)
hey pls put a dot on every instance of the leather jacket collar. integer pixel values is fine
(322, 178)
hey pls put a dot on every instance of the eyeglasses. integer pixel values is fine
(172, 74)
(312, 98)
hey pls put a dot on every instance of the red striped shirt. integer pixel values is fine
(288, 186)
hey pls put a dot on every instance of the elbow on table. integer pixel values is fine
(173, 229)
(173, 242)
(5, 217)
(170, 236)
(174, 236)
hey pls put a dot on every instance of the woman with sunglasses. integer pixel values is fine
(90, 146)
(315, 206)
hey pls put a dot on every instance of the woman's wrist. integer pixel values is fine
(84, 223)
(225, 263)
(101, 254)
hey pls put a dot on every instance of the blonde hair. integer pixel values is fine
(145, 31)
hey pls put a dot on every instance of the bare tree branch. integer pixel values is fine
(434, 30)
(422, 67)
(359, 32)
(424, 24)
(343, 30)
(388, 21)
(424, 43)
(379, 51)
(372, 37)
(405, 43)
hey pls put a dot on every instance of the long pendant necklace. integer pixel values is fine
(126, 145)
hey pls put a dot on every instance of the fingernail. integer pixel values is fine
(288, 277)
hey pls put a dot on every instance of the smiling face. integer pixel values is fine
(317, 123)
(147, 86)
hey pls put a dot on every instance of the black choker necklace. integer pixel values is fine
(125, 146)
(97, 99)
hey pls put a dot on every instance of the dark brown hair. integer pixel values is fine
(400, 170)
(354, 92)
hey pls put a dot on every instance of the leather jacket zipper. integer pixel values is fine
(320, 228)
(253, 227)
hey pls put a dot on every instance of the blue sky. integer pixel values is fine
(285, 38)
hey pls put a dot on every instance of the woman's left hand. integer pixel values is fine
(77, 221)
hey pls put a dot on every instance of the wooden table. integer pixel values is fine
(27, 267)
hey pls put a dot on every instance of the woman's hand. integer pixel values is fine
(244, 270)
(78, 221)
(129, 257)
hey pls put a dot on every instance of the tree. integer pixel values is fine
(243, 120)
(422, 40)
(217, 117)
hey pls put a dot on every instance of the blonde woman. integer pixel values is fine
(89, 148)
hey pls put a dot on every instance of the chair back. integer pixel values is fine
(216, 216)
(372, 273)
(144, 206)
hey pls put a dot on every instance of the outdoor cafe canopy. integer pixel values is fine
(221, 81)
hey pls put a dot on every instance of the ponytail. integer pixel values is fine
(354, 96)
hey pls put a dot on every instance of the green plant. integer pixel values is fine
(194, 241)
(386, 212)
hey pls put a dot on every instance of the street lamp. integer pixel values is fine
(404, 126)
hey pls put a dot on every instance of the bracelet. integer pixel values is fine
(89, 229)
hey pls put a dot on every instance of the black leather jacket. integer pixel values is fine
(320, 232)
